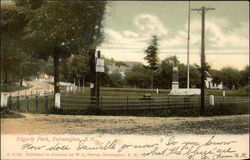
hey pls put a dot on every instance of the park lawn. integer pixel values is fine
(137, 92)
(121, 94)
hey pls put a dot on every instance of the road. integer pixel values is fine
(36, 87)
(83, 124)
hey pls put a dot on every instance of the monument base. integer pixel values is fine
(185, 91)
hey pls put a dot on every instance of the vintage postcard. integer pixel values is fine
(127, 80)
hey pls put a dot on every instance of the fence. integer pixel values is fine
(230, 100)
(132, 103)
(35, 92)
(42, 104)
(34, 104)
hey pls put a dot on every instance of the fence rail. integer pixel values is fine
(130, 103)
(34, 104)
(41, 104)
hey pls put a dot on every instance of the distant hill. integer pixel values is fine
(131, 63)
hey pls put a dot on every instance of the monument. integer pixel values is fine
(181, 91)
(175, 83)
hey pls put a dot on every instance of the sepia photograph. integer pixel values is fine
(127, 80)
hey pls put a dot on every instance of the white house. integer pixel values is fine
(209, 82)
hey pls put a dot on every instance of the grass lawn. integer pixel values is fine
(134, 95)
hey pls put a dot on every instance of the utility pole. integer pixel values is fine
(188, 39)
(92, 62)
(98, 83)
(203, 11)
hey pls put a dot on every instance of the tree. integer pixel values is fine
(152, 58)
(78, 66)
(47, 66)
(27, 66)
(229, 76)
(172, 60)
(207, 67)
(17, 60)
(116, 80)
(138, 76)
(120, 63)
(244, 76)
(163, 75)
(60, 28)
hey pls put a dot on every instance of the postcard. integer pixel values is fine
(128, 80)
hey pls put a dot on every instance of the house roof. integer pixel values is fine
(213, 72)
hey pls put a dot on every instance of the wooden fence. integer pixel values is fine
(131, 103)
(42, 104)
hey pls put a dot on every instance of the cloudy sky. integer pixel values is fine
(129, 26)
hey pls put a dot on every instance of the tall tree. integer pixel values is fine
(229, 76)
(245, 76)
(138, 76)
(17, 60)
(152, 57)
(60, 28)
(78, 65)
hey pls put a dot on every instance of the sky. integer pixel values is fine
(129, 26)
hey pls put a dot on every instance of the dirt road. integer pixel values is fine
(70, 124)
(36, 87)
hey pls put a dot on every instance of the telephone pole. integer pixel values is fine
(203, 11)
(188, 39)
(92, 61)
(97, 83)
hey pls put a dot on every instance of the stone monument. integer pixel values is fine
(181, 91)
(175, 83)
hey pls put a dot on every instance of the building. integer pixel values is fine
(45, 77)
(209, 81)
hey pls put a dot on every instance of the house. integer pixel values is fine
(209, 80)
(45, 77)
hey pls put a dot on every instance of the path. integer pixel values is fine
(36, 86)
(71, 124)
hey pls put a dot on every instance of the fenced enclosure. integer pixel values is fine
(45, 103)
(32, 104)
(137, 103)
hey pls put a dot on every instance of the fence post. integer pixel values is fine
(4, 99)
(101, 101)
(211, 98)
(46, 104)
(10, 101)
(36, 104)
(17, 107)
(27, 104)
(149, 104)
(67, 90)
(57, 100)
